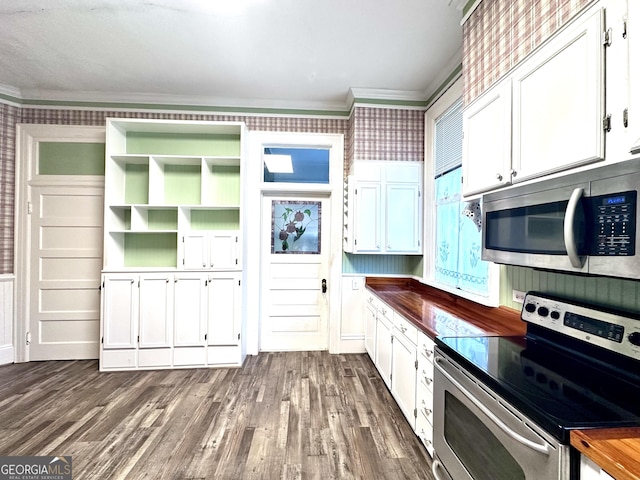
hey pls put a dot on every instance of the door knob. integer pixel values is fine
(324, 285)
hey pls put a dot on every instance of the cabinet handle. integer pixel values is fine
(427, 380)
(513, 173)
(204, 265)
(499, 177)
(427, 352)
(167, 279)
(403, 328)
(427, 411)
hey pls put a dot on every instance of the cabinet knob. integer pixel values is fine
(403, 328)
(499, 177)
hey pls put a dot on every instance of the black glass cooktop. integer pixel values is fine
(557, 389)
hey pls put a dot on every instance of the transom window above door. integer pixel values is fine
(295, 165)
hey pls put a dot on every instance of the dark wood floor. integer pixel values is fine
(301, 415)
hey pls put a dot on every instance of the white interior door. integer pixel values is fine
(294, 307)
(66, 259)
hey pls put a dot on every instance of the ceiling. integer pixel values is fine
(241, 53)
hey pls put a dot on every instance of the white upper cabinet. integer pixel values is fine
(558, 102)
(384, 208)
(486, 154)
(631, 31)
(546, 116)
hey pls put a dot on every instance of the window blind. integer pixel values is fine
(448, 140)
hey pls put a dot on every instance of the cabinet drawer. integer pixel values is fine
(407, 329)
(425, 374)
(386, 311)
(185, 356)
(371, 300)
(426, 347)
(424, 431)
(154, 357)
(424, 403)
(118, 359)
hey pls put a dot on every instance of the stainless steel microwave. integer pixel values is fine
(584, 222)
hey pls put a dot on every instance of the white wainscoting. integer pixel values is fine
(352, 324)
(7, 350)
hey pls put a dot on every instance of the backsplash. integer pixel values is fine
(382, 264)
(613, 292)
(500, 33)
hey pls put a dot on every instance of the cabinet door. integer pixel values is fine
(223, 317)
(486, 148)
(370, 331)
(558, 102)
(189, 310)
(120, 314)
(196, 249)
(403, 218)
(384, 349)
(368, 218)
(156, 310)
(223, 250)
(403, 376)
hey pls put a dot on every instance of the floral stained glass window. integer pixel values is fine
(295, 227)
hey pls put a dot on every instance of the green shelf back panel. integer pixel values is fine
(225, 185)
(215, 220)
(127, 219)
(136, 183)
(150, 250)
(182, 184)
(183, 144)
(163, 219)
(66, 158)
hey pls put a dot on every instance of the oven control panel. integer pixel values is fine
(614, 331)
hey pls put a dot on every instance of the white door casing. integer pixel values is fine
(58, 250)
(253, 229)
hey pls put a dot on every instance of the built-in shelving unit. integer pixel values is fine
(172, 204)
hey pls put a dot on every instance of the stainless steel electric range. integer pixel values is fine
(504, 406)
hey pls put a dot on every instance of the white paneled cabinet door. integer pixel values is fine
(156, 310)
(223, 250)
(196, 251)
(224, 306)
(486, 157)
(120, 311)
(384, 346)
(403, 377)
(402, 226)
(558, 102)
(368, 229)
(189, 310)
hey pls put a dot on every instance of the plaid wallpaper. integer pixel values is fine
(387, 134)
(500, 33)
(370, 133)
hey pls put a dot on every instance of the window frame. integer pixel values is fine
(434, 112)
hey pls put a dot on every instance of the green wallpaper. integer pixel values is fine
(614, 292)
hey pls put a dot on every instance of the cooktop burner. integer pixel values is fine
(560, 379)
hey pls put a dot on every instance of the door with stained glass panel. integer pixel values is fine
(295, 273)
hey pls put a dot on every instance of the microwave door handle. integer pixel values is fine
(569, 235)
(541, 448)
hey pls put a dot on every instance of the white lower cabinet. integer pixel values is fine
(169, 319)
(589, 470)
(404, 358)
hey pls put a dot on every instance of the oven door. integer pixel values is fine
(477, 436)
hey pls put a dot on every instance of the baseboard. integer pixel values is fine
(7, 354)
(352, 344)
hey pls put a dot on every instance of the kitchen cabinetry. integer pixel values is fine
(632, 33)
(404, 358)
(545, 116)
(172, 244)
(383, 208)
(403, 367)
(369, 315)
(591, 471)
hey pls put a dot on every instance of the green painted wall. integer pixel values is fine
(382, 264)
(612, 292)
(66, 158)
(183, 144)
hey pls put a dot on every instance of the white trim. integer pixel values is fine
(27, 138)
(252, 229)
(449, 97)
(470, 11)
(7, 319)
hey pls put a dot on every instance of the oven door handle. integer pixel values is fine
(435, 467)
(569, 234)
(541, 448)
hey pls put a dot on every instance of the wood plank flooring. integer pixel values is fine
(296, 415)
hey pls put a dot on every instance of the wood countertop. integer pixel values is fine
(438, 313)
(615, 450)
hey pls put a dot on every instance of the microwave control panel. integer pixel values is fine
(614, 222)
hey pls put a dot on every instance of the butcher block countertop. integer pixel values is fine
(438, 313)
(615, 450)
